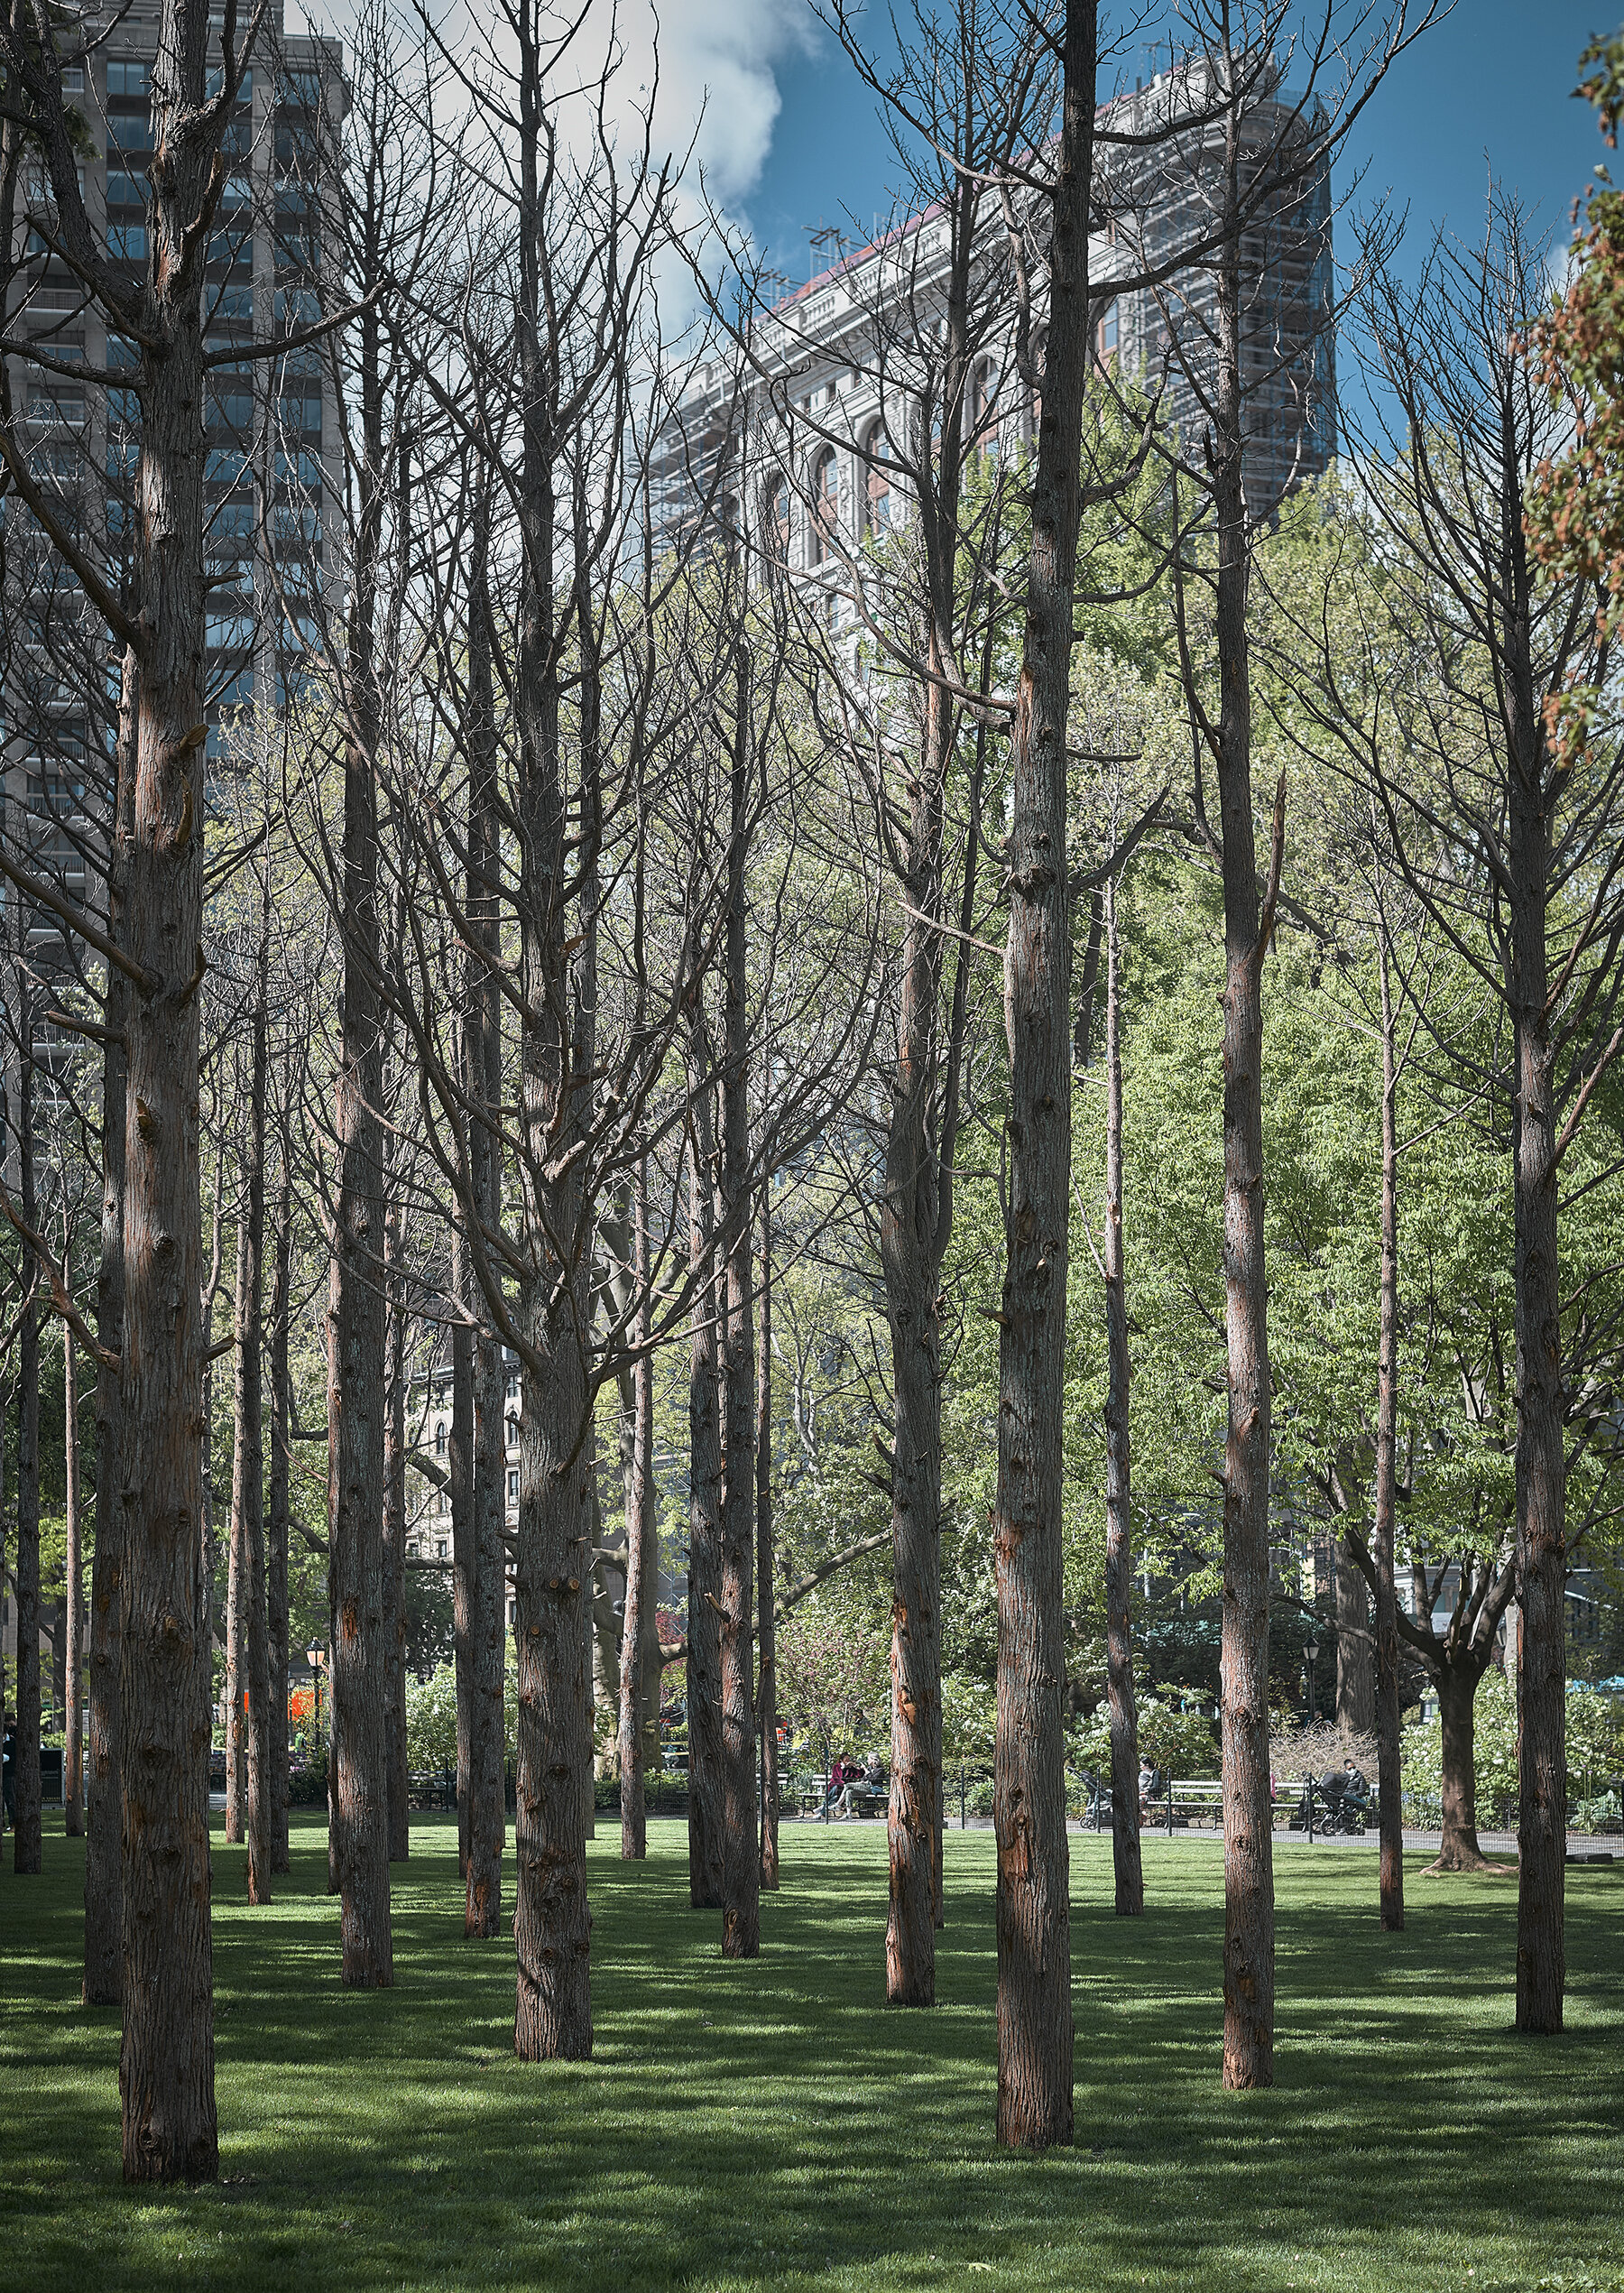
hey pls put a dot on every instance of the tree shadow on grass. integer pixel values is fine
(773, 2124)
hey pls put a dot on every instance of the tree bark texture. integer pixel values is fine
(766, 1577)
(1457, 1687)
(247, 1472)
(27, 1843)
(1126, 1861)
(704, 1679)
(103, 1850)
(1028, 1797)
(460, 1460)
(359, 1799)
(742, 1851)
(276, 1526)
(1355, 1646)
(73, 1751)
(397, 1783)
(1388, 1757)
(552, 1923)
(237, 1597)
(1249, 1954)
(1541, 1484)
(166, 2063)
(481, 1068)
(639, 1510)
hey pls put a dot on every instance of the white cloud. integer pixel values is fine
(718, 67)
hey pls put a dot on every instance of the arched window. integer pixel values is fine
(440, 1438)
(825, 504)
(512, 1428)
(877, 449)
(775, 518)
(983, 409)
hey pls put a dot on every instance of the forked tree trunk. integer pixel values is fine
(1249, 1954)
(397, 1786)
(276, 1526)
(1029, 1799)
(27, 1843)
(1388, 1770)
(1127, 1865)
(704, 1677)
(73, 1743)
(1457, 1687)
(742, 1851)
(1355, 1646)
(765, 1574)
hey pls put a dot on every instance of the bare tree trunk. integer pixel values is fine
(551, 1920)
(910, 1239)
(236, 1588)
(104, 1849)
(359, 1792)
(460, 1466)
(742, 1850)
(1457, 1687)
(248, 1480)
(704, 1680)
(1541, 1484)
(1028, 1804)
(1355, 1646)
(27, 1846)
(1119, 1510)
(482, 1063)
(73, 1751)
(640, 1508)
(1248, 1820)
(398, 1786)
(1389, 1771)
(765, 1574)
(487, 1819)
(276, 1537)
(166, 2067)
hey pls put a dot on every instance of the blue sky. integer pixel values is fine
(1488, 91)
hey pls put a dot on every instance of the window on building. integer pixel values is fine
(513, 1488)
(440, 1438)
(1109, 332)
(826, 505)
(513, 1427)
(440, 1548)
(984, 409)
(129, 79)
(776, 518)
(877, 449)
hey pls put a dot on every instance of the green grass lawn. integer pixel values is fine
(773, 2124)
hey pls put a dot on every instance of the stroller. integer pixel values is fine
(1336, 1803)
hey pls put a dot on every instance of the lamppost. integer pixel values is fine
(316, 1656)
(1311, 1649)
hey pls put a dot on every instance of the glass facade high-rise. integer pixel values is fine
(269, 422)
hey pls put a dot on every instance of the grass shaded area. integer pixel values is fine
(774, 2125)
